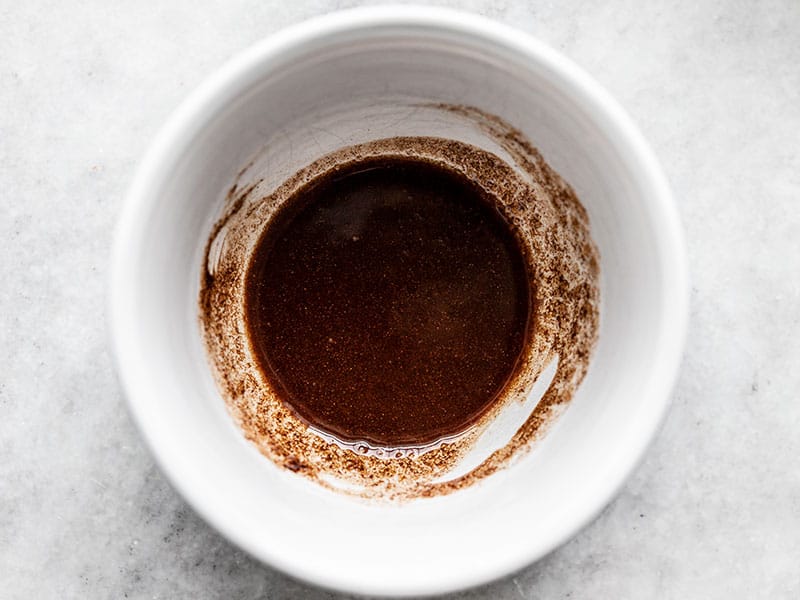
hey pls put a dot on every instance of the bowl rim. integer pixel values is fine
(216, 91)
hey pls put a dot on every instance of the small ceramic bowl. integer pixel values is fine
(352, 77)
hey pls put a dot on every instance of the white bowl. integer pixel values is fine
(349, 77)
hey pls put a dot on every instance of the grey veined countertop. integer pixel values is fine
(714, 510)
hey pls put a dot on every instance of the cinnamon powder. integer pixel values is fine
(552, 225)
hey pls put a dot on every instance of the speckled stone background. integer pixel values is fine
(713, 512)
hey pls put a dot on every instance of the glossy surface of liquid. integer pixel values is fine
(388, 302)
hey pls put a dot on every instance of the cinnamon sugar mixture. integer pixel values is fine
(366, 320)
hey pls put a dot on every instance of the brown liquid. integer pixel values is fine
(388, 302)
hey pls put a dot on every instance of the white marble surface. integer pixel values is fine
(713, 512)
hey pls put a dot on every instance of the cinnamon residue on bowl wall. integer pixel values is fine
(552, 225)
